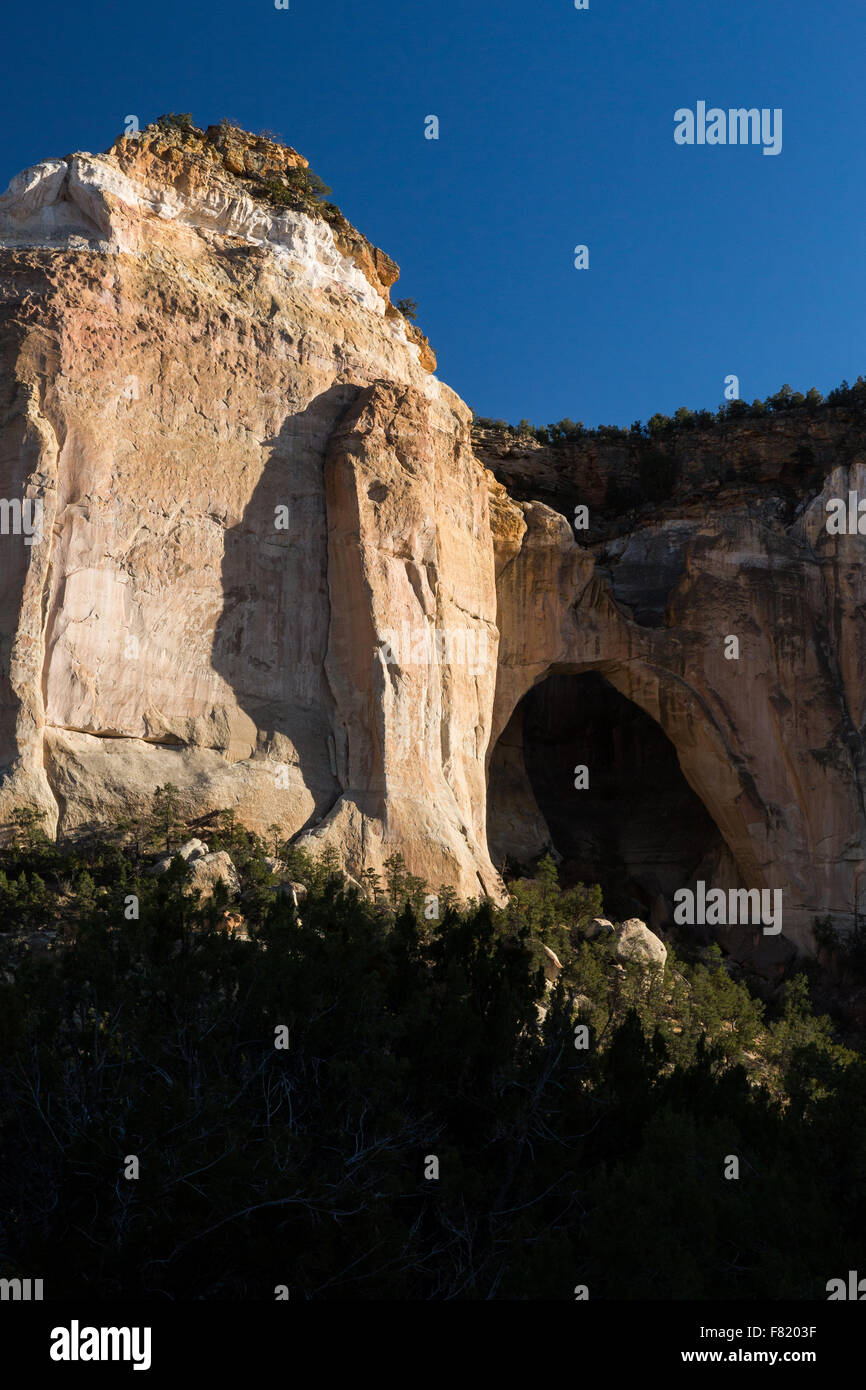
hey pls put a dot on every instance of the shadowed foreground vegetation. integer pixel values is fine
(408, 1037)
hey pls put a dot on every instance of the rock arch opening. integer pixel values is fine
(638, 828)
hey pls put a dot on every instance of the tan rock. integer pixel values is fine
(202, 374)
(599, 926)
(190, 851)
(635, 941)
(552, 964)
(261, 513)
(211, 869)
(235, 925)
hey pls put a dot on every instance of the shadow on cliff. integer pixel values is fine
(637, 827)
(271, 639)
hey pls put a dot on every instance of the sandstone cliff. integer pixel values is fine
(726, 537)
(273, 570)
(246, 470)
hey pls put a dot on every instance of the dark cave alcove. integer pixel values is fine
(638, 829)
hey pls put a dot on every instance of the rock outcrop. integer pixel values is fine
(207, 868)
(267, 563)
(249, 483)
(635, 941)
(770, 740)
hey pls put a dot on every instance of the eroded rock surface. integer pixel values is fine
(248, 477)
(273, 569)
(771, 742)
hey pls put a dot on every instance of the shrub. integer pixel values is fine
(301, 190)
(304, 1165)
(659, 424)
(176, 121)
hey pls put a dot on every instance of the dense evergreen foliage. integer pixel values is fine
(409, 1036)
(785, 402)
(301, 190)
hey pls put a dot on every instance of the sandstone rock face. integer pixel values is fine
(271, 568)
(771, 742)
(252, 492)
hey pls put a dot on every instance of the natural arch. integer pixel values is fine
(638, 827)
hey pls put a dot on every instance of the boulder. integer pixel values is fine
(635, 941)
(599, 926)
(295, 892)
(208, 870)
(234, 924)
(191, 850)
(552, 964)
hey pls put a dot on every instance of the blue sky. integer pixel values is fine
(556, 129)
